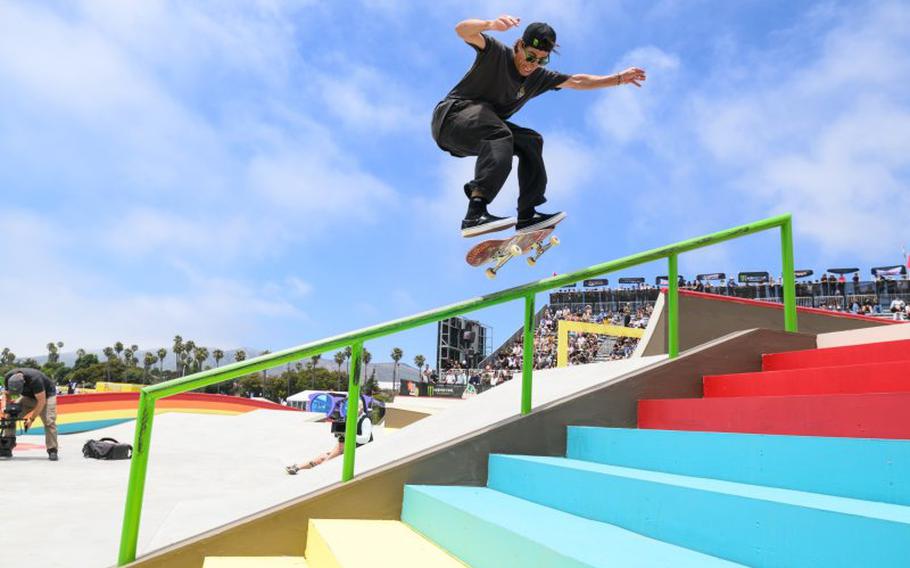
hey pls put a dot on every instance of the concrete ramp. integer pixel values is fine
(705, 317)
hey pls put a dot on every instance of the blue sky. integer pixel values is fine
(261, 173)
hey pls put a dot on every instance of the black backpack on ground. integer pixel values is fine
(107, 449)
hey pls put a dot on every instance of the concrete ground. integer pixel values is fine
(208, 470)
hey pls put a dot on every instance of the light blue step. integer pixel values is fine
(750, 524)
(488, 529)
(877, 470)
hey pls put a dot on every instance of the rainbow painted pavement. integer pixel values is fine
(84, 412)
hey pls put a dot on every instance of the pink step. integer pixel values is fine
(880, 415)
(846, 379)
(848, 355)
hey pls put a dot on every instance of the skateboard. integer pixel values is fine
(500, 251)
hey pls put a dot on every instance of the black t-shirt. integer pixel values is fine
(35, 382)
(494, 79)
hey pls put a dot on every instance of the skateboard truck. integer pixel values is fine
(540, 248)
(502, 258)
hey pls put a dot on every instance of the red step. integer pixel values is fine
(847, 355)
(880, 415)
(847, 379)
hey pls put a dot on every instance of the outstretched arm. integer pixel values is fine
(583, 82)
(469, 30)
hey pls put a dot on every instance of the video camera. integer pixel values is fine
(9, 418)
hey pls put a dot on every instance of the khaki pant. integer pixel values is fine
(48, 417)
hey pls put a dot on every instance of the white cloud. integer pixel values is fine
(58, 299)
(628, 113)
(827, 141)
(369, 101)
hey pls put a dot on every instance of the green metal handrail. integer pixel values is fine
(355, 339)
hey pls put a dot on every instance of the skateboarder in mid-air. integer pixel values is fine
(473, 119)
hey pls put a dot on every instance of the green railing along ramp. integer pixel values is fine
(355, 340)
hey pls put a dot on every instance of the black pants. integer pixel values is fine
(473, 129)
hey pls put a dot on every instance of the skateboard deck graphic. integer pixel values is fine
(497, 252)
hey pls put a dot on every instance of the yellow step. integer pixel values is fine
(254, 562)
(344, 543)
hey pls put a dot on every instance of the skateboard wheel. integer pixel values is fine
(531, 261)
(491, 274)
(554, 240)
(515, 250)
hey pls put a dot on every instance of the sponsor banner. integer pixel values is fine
(665, 280)
(631, 280)
(843, 270)
(594, 282)
(712, 276)
(569, 286)
(453, 391)
(803, 273)
(895, 270)
(754, 277)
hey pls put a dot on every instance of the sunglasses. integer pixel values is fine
(531, 58)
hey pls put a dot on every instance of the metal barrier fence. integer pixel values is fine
(355, 339)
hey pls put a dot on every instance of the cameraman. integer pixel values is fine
(38, 396)
(364, 436)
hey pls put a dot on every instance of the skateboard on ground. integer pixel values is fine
(497, 252)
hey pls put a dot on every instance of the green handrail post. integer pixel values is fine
(356, 339)
(350, 422)
(129, 534)
(789, 276)
(527, 358)
(673, 306)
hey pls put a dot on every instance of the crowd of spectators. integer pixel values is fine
(583, 347)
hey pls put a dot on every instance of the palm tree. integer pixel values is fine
(147, 361)
(178, 350)
(52, 354)
(111, 355)
(367, 357)
(265, 372)
(217, 355)
(397, 354)
(339, 360)
(419, 360)
(7, 357)
(128, 357)
(239, 355)
(162, 353)
(315, 359)
(80, 353)
(118, 348)
(200, 355)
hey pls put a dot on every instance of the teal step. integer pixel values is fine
(872, 469)
(750, 524)
(488, 529)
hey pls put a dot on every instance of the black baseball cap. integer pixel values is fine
(15, 384)
(539, 36)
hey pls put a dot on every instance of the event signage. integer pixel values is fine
(631, 280)
(568, 286)
(803, 273)
(712, 276)
(665, 280)
(453, 391)
(594, 282)
(754, 277)
(843, 270)
(321, 402)
(895, 270)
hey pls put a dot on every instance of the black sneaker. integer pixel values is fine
(485, 223)
(539, 221)
(52, 455)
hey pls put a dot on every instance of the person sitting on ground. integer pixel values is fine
(364, 436)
